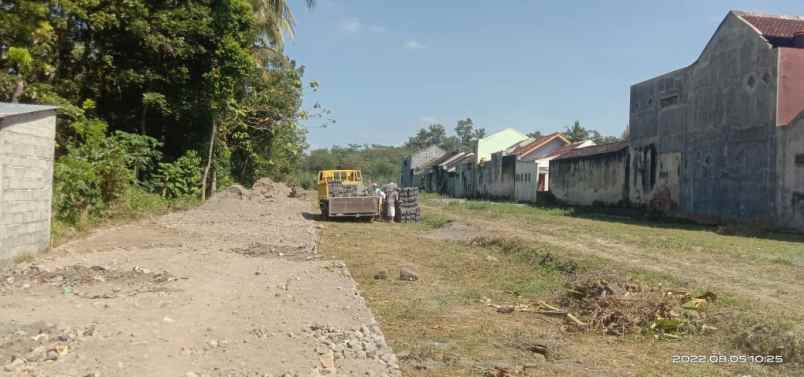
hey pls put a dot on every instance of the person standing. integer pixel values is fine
(391, 198)
(380, 198)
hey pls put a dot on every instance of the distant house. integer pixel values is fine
(723, 139)
(448, 170)
(533, 176)
(413, 164)
(498, 141)
(494, 174)
(430, 176)
(27, 142)
(526, 183)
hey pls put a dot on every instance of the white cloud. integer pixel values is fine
(414, 45)
(428, 120)
(352, 25)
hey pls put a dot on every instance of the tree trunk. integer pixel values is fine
(143, 130)
(209, 161)
(18, 91)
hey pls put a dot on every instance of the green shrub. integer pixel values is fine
(77, 189)
(141, 153)
(181, 177)
(98, 170)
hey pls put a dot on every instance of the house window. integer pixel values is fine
(800, 159)
(668, 101)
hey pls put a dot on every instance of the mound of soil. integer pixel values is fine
(264, 188)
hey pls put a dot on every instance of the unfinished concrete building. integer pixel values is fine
(593, 175)
(413, 165)
(27, 141)
(723, 139)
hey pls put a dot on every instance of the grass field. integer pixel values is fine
(472, 255)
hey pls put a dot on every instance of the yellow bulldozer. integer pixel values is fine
(341, 193)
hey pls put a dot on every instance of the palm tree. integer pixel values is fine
(275, 20)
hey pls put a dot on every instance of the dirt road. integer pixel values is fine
(232, 288)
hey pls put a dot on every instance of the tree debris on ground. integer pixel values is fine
(619, 308)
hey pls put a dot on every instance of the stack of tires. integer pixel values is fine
(408, 210)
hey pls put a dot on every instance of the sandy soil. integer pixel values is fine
(232, 288)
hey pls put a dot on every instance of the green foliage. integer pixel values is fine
(465, 139)
(167, 70)
(141, 153)
(76, 190)
(576, 132)
(97, 169)
(21, 59)
(378, 163)
(181, 177)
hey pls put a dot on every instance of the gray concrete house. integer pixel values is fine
(413, 164)
(723, 139)
(27, 142)
(594, 175)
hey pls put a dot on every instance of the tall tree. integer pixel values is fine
(275, 20)
(576, 132)
(468, 134)
(434, 134)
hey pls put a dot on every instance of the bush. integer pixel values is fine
(181, 177)
(76, 190)
(98, 170)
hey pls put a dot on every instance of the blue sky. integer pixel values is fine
(388, 68)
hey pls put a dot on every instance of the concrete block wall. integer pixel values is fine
(594, 180)
(26, 179)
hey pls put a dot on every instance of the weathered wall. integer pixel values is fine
(406, 176)
(598, 179)
(790, 162)
(496, 177)
(527, 181)
(702, 137)
(26, 178)
(466, 181)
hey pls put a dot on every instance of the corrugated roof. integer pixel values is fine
(774, 27)
(565, 149)
(438, 161)
(452, 164)
(12, 109)
(594, 150)
(525, 149)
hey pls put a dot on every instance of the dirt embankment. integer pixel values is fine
(232, 288)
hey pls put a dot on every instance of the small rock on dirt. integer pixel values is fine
(505, 309)
(382, 275)
(407, 274)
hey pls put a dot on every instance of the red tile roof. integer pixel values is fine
(565, 149)
(594, 150)
(528, 148)
(775, 27)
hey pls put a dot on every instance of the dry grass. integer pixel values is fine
(441, 325)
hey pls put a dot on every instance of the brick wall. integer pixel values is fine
(26, 181)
